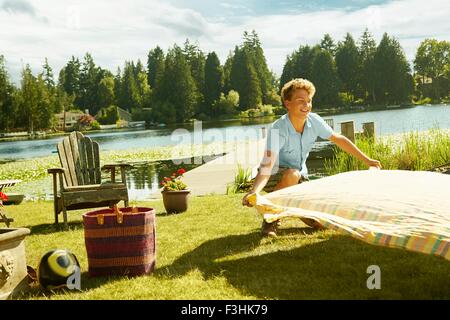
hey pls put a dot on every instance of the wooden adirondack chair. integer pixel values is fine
(80, 180)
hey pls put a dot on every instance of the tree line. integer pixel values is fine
(186, 83)
(364, 73)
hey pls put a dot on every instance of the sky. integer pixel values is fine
(114, 31)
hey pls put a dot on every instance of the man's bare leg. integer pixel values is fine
(290, 177)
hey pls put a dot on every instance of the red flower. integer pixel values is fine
(3, 196)
(181, 171)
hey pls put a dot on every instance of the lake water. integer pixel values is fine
(386, 122)
(143, 179)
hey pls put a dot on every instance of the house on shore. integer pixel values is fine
(67, 120)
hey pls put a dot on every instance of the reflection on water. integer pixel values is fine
(144, 178)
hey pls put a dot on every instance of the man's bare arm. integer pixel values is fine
(263, 175)
(345, 144)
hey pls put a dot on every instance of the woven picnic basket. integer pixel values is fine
(120, 241)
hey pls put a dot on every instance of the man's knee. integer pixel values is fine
(292, 176)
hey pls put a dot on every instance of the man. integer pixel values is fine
(289, 141)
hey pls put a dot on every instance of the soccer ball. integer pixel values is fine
(55, 267)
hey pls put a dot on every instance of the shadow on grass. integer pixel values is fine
(330, 269)
(36, 291)
(47, 228)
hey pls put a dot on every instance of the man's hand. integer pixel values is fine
(374, 164)
(245, 199)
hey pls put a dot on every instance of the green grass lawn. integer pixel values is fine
(215, 251)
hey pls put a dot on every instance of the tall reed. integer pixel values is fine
(409, 151)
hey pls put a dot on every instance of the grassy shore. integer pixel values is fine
(215, 251)
(35, 169)
(410, 151)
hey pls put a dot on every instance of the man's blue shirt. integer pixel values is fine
(292, 147)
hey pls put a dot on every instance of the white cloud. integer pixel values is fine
(115, 31)
(409, 21)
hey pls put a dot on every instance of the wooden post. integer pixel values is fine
(264, 132)
(348, 130)
(64, 121)
(369, 130)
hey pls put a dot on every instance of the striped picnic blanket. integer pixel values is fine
(393, 208)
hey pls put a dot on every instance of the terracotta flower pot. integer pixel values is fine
(175, 201)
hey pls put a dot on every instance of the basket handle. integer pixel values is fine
(119, 214)
(100, 219)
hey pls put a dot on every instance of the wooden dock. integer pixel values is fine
(214, 176)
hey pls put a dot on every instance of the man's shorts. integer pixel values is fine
(275, 178)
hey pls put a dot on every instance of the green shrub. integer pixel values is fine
(273, 98)
(266, 110)
(242, 181)
(345, 98)
(95, 125)
(108, 115)
(227, 104)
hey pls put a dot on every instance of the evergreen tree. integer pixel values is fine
(348, 64)
(69, 77)
(244, 80)
(325, 79)
(45, 102)
(7, 112)
(327, 43)
(227, 72)
(106, 92)
(288, 71)
(213, 80)
(253, 47)
(178, 92)
(196, 61)
(299, 64)
(90, 77)
(117, 86)
(392, 79)
(142, 87)
(155, 66)
(28, 101)
(367, 49)
(129, 94)
(48, 75)
(51, 94)
(35, 102)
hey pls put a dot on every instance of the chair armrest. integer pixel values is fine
(112, 168)
(114, 165)
(55, 170)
